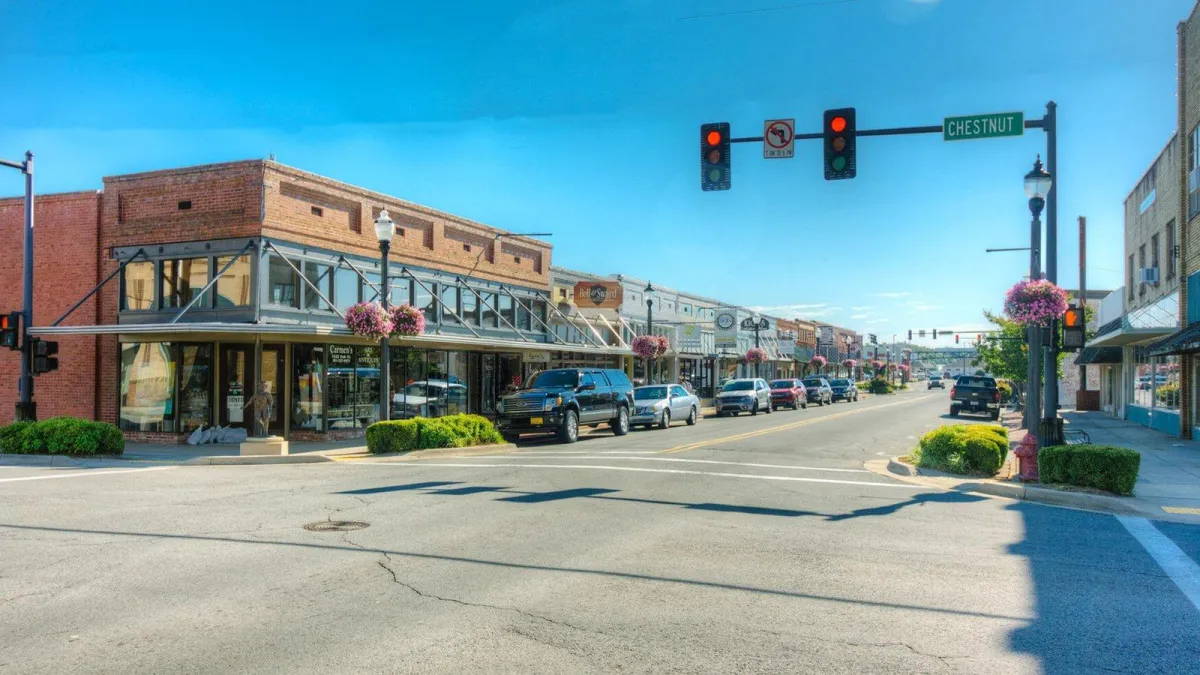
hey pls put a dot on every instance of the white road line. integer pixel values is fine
(580, 453)
(700, 461)
(1183, 570)
(95, 472)
(638, 469)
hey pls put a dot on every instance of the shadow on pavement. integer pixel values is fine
(1101, 603)
(918, 500)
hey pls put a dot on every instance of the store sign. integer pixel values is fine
(691, 338)
(787, 349)
(537, 357)
(598, 294)
(727, 332)
(827, 335)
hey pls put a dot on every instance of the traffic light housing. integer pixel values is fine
(956, 338)
(45, 356)
(840, 132)
(1073, 329)
(934, 333)
(910, 336)
(714, 156)
(10, 330)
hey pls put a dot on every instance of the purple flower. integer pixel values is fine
(368, 320)
(649, 346)
(407, 320)
(1036, 302)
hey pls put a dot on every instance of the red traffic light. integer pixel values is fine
(838, 124)
(714, 137)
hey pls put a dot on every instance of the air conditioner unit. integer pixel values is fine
(1148, 275)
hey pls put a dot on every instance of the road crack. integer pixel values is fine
(943, 658)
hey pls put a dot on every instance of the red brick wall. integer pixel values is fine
(66, 231)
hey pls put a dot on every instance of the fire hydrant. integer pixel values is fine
(1027, 456)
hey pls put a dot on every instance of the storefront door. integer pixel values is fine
(237, 385)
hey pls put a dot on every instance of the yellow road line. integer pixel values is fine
(1181, 509)
(785, 427)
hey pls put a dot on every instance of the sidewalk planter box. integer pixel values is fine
(419, 433)
(1105, 467)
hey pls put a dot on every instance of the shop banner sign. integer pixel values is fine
(598, 294)
(691, 338)
(727, 333)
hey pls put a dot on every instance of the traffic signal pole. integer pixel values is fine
(26, 408)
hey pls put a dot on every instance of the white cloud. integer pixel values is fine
(859, 316)
(879, 320)
(862, 308)
(921, 306)
(893, 294)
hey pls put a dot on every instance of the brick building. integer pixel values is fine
(231, 274)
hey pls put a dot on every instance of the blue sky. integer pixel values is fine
(581, 118)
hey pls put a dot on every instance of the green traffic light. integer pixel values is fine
(714, 175)
(839, 163)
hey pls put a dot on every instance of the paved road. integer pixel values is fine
(750, 544)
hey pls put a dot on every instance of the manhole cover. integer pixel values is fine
(335, 526)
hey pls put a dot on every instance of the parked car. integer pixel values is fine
(936, 382)
(744, 395)
(790, 393)
(818, 390)
(975, 394)
(843, 390)
(659, 404)
(559, 401)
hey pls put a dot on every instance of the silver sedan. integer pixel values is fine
(660, 404)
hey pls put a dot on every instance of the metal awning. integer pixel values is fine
(1098, 355)
(1128, 336)
(1185, 341)
(169, 330)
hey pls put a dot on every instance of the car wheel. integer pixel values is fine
(821, 402)
(954, 412)
(691, 420)
(666, 420)
(754, 410)
(995, 417)
(770, 409)
(511, 438)
(620, 426)
(804, 406)
(568, 432)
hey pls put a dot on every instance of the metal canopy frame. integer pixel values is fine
(212, 281)
(305, 280)
(404, 271)
(494, 309)
(545, 325)
(344, 259)
(550, 305)
(141, 252)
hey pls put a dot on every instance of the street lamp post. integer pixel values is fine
(385, 229)
(26, 408)
(756, 319)
(649, 293)
(1037, 185)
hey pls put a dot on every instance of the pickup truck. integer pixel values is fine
(975, 394)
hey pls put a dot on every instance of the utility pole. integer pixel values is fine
(26, 408)
(1083, 384)
(1050, 434)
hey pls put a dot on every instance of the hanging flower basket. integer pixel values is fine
(850, 363)
(756, 355)
(817, 362)
(1035, 303)
(647, 346)
(663, 344)
(368, 320)
(891, 366)
(407, 320)
(877, 365)
(903, 367)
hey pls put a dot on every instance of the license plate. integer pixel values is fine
(536, 420)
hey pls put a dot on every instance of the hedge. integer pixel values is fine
(963, 448)
(419, 433)
(62, 436)
(1106, 467)
(877, 386)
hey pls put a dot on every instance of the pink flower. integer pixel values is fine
(407, 320)
(850, 363)
(817, 361)
(1036, 302)
(756, 355)
(649, 346)
(368, 320)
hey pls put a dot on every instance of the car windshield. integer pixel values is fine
(649, 393)
(782, 384)
(738, 385)
(840, 383)
(550, 379)
(812, 383)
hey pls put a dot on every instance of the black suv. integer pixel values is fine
(559, 401)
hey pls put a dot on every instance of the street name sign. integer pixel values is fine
(779, 139)
(990, 125)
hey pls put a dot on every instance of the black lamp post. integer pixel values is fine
(1037, 186)
(649, 293)
(385, 229)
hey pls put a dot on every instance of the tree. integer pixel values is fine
(1006, 355)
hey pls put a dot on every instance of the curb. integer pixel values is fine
(433, 453)
(241, 460)
(1017, 491)
(46, 460)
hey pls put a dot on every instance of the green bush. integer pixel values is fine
(1105, 467)
(1168, 395)
(62, 436)
(1005, 391)
(963, 448)
(879, 386)
(452, 431)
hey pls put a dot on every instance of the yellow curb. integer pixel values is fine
(1183, 510)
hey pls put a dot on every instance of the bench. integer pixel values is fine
(1076, 437)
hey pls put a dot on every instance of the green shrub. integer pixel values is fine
(452, 431)
(1168, 395)
(1005, 391)
(879, 386)
(1105, 467)
(963, 448)
(62, 436)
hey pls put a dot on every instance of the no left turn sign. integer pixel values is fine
(779, 139)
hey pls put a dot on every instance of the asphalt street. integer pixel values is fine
(749, 544)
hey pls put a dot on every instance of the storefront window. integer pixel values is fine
(183, 280)
(320, 276)
(341, 387)
(522, 321)
(147, 398)
(423, 300)
(401, 291)
(281, 283)
(457, 383)
(539, 312)
(370, 291)
(345, 288)
(1166, 378)
(470, 307)
(490, 319)
(233, 288)
(366, 410)
(506, 309)
(449, 303)
(138, 282)
(1143, 379)
(195, 386)
(308, 387)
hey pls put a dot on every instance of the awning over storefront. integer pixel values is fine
(1185, 341)
(166, 331)
(1142, 325)
(1098, 355)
